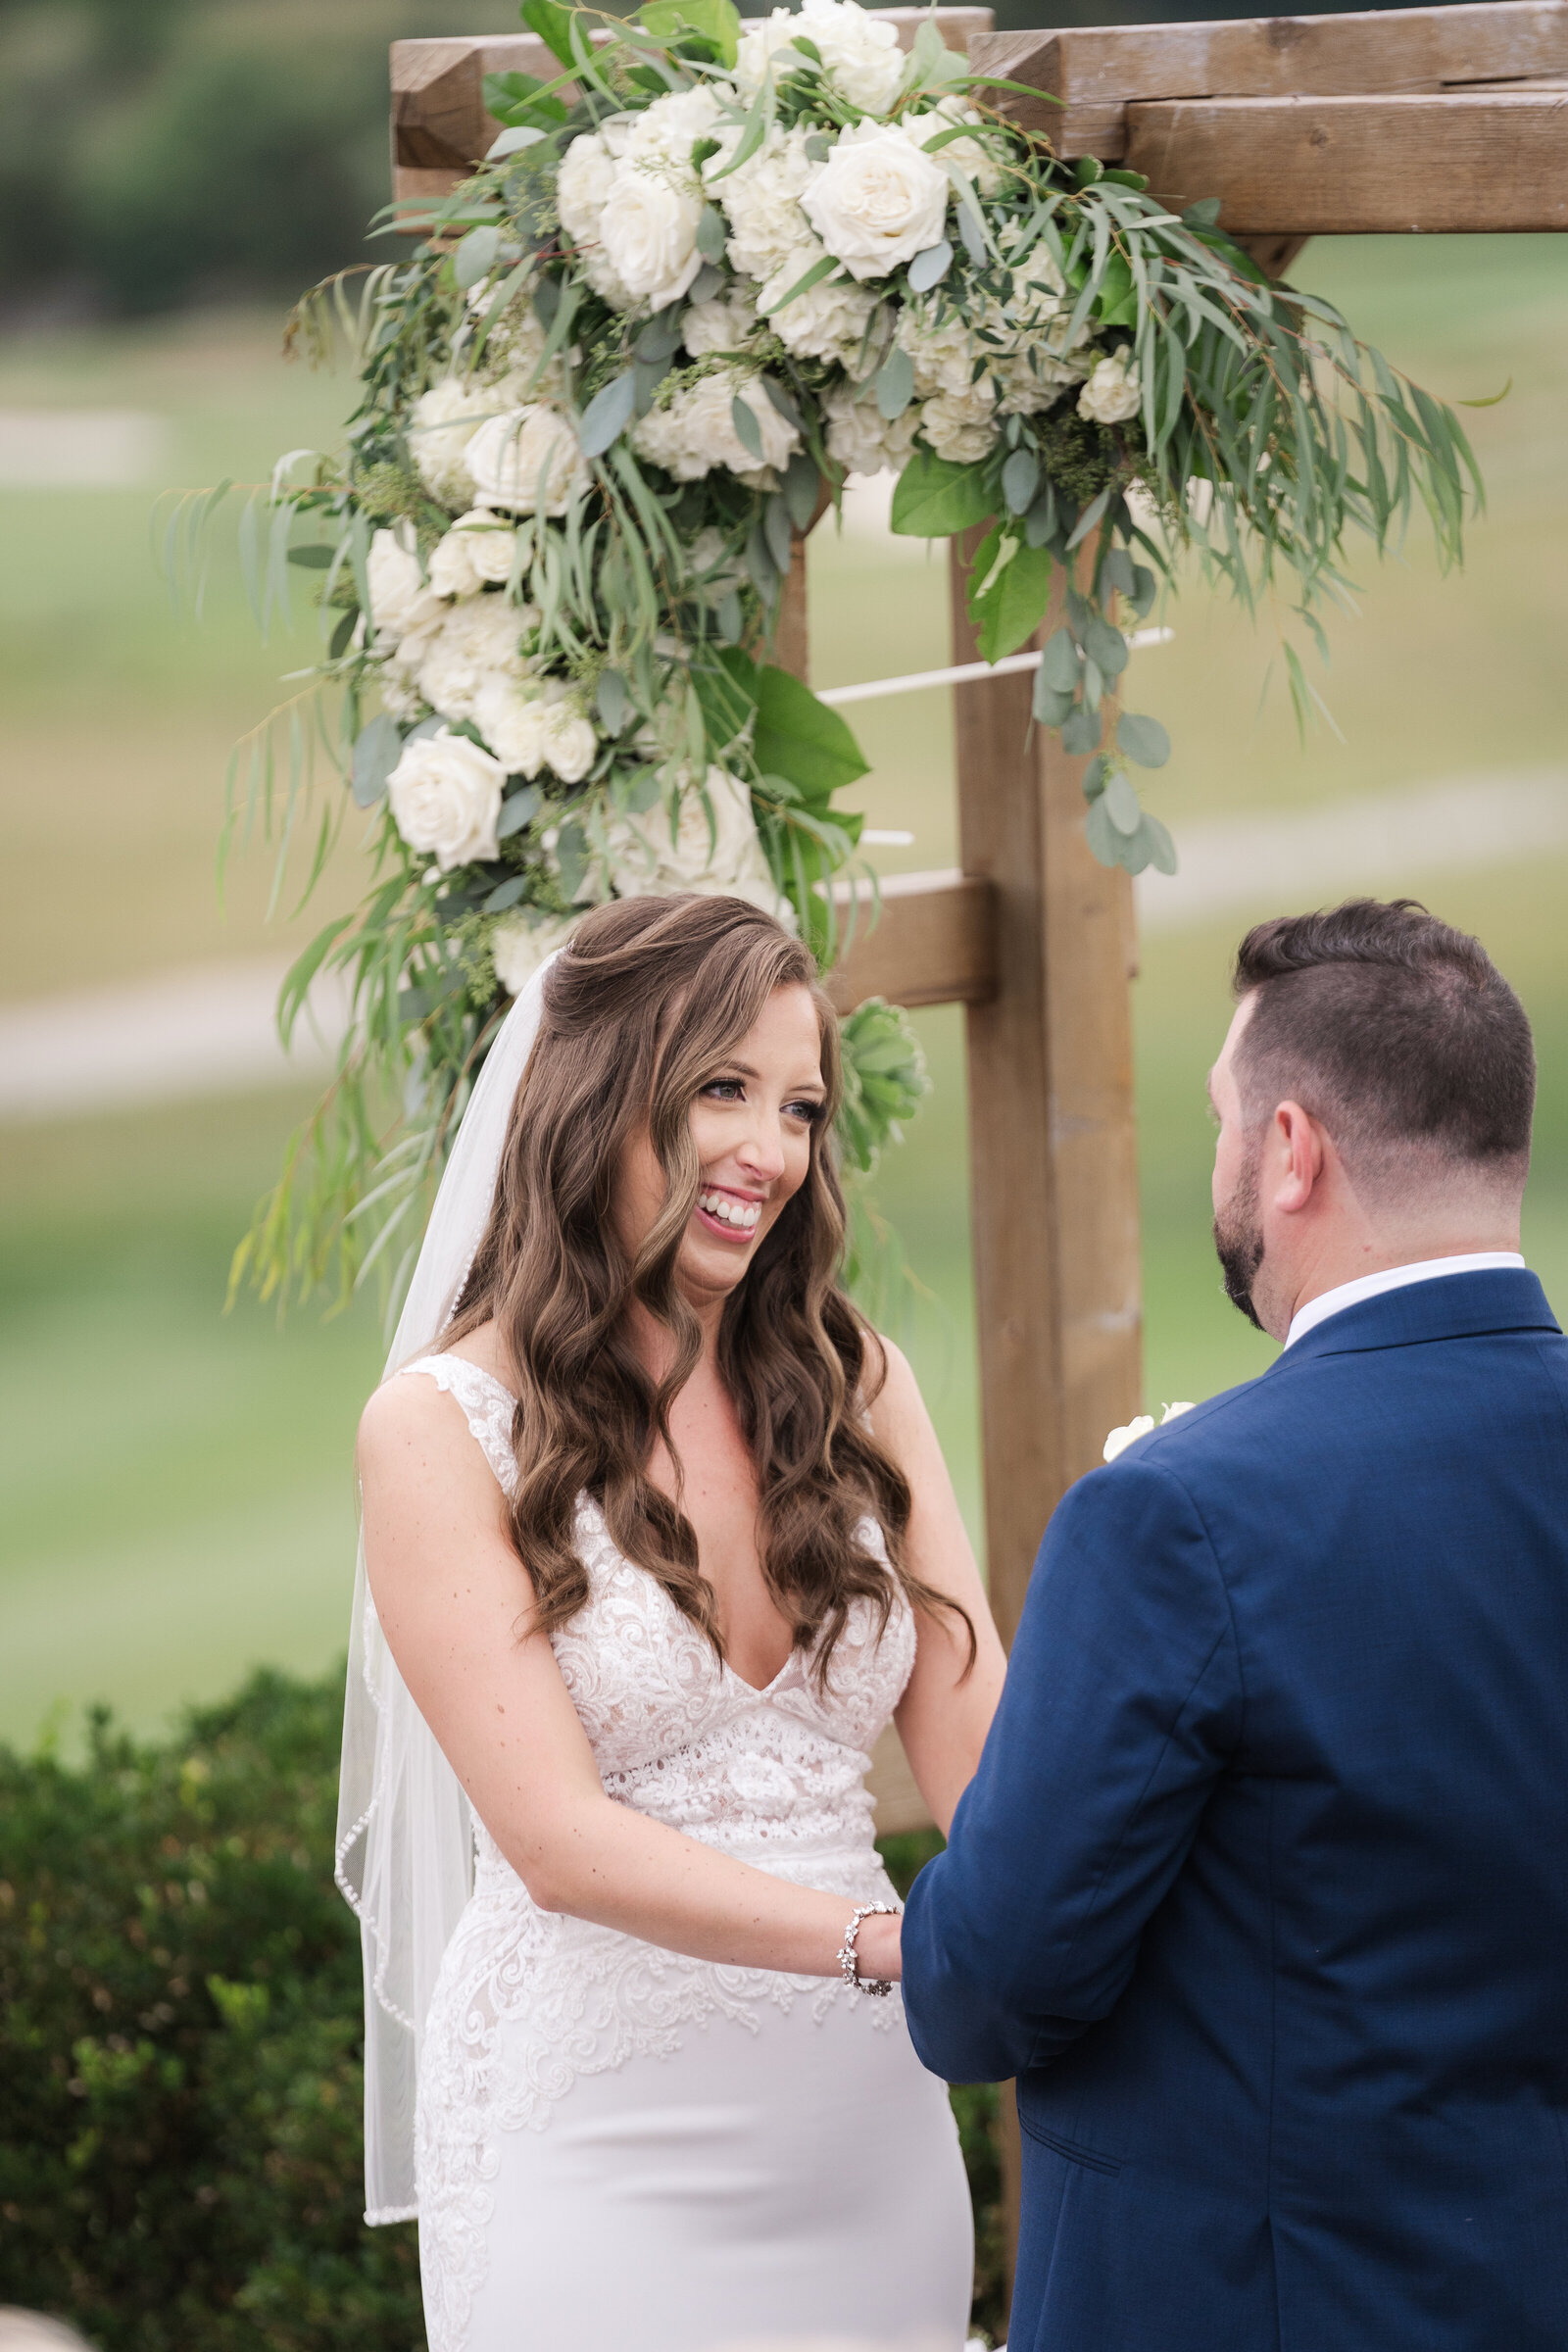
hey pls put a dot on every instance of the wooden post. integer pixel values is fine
(1053, 1188)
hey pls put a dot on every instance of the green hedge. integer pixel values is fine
(179, 2092)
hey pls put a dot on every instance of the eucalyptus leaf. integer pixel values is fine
(476, 256)
(1058, 662)
(1122, 804)
(1161, 848)
(712, 233)
(895, 383)
(607, 415)
(707, 282)
(376, 752)
(1105, 647)
(748, 431)
(802, 489)
(1020, 478)
(660, 339)
(572, 856)
(1047, 705)
(1080, 731)
(505, 894)
(520, 806)
(1104, 841)
(1094, 777)
(777, 530)
(929, 268)
(611, 701)
(1142, 739)
(514, 141)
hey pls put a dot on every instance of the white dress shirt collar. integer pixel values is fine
(1371, 1285)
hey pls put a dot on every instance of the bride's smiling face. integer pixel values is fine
(751, 1124)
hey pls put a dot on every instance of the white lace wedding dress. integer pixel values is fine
(620, 2149)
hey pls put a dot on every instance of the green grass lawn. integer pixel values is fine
(176, 1497)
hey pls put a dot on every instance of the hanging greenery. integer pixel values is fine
(704, 274)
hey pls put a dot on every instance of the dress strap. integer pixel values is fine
(487, 1407)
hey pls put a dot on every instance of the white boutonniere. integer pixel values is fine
(1120, 1438)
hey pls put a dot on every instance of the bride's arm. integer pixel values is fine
(946, 1712)
(457, 1609)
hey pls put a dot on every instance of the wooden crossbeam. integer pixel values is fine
(1467, 162)
(1094, 75)
(934, 942)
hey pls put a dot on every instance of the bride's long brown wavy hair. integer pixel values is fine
(641, 1011)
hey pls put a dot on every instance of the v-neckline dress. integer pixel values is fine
(624, 2149)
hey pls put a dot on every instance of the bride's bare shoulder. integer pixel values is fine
(408, 1409)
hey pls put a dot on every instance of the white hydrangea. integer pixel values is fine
(1113, 392)
(943, 355)
(828, 321)
(519, 944)
(402, 601)
(647, 856)
(441, 426)
(696, 431)
(667, 131)
(477, 552)
(712, 568)
(444, 796)
(878, 200)
(762, 201)
(973, 156)
(723, 325)
(960, 425)
(527, 460)
(859, 53)
(862, 438)
(531, 725)
(478, 639)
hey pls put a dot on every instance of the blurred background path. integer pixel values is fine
(175, 1486)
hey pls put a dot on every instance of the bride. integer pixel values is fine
(658, 1539)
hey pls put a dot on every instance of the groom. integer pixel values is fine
(1261, 1888)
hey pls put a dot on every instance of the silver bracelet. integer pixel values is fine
(849, 1959)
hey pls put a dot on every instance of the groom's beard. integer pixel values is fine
(1238, 1243)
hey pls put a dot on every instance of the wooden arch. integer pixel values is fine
(1425, 120)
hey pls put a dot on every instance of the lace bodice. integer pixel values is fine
(528, 2000)
(674, 1730)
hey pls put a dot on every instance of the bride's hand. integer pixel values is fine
(877, 1945)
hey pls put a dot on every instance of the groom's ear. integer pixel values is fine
(1296, 1158)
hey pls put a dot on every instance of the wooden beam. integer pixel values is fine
(1464, 162)
(1051, 1120)
(440, 128)
(933, 941)
(1096, 72)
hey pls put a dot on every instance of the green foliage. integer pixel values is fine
(181, 2106)
(180, 2135)
(884, 1080)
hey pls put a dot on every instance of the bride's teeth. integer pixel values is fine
(730, 1212)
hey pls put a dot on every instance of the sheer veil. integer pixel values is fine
(405, 1833)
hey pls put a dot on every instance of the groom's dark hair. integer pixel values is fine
(1393, 1029)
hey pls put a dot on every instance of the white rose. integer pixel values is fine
(1113, 392)
(859, 53)
(568, 741)
(648, 229)
(862, 438)
(444, 796)
(527, 460)
(696, 431)
(1120, 1438)
(878, 200)
(478, 550)
(828, 321)
(959, 425)
(509, 714)
(648, 856)
(723, 324)
(402, 603)
(442, 423)
(762, 201)
(519, 945)
(587, 174)
(477, 639)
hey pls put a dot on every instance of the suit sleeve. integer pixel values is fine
(1122, 1705)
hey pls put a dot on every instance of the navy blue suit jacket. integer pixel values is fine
(1261, 1888)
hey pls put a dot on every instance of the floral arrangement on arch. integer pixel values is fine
(708, 273)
